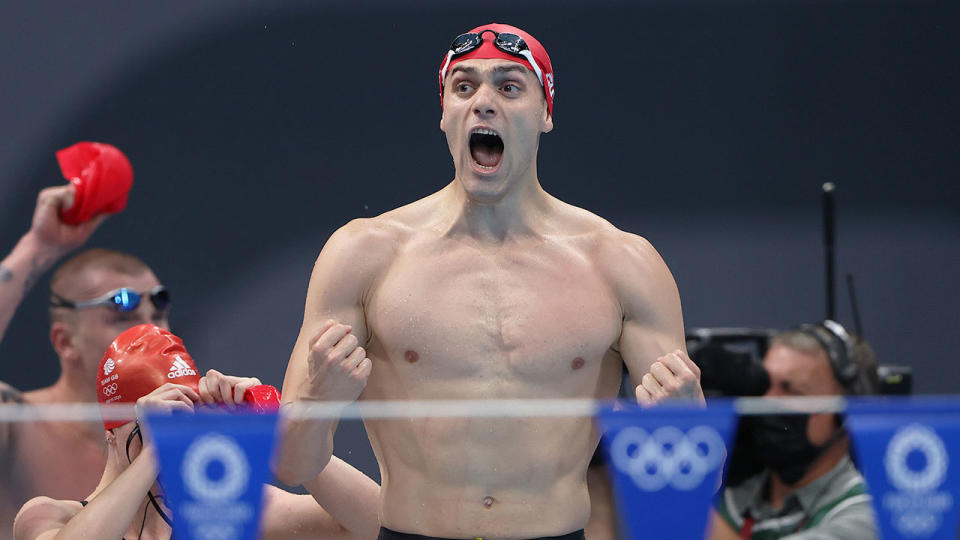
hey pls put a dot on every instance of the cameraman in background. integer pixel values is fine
(808, 487)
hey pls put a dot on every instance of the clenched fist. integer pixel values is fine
(672, 376)
(337, 366)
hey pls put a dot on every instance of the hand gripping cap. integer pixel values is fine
(102, 176)
(138, 362)
(262, 398)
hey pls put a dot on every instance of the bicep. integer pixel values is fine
(652, 316)
(337, 285)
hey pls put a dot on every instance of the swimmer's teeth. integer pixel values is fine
(482, 131)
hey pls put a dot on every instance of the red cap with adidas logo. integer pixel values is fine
(138, 362)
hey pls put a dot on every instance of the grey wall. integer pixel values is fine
(255, 130)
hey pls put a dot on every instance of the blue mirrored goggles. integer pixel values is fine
(120, 300)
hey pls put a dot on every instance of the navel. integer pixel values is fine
(411, 357)
(488, 501)
(577, 363)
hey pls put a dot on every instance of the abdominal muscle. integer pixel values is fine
(484, 477)
(489, 477)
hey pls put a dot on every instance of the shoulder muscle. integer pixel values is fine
(637, 274)
(9, 394)
(42, 517)
(352, 259)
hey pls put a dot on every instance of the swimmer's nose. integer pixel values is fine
(483, 102)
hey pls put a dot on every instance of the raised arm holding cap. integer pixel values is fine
(61, 458)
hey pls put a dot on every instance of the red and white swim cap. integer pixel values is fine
(138, 362)
(488, 50)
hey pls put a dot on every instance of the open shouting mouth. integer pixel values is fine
(486, 148)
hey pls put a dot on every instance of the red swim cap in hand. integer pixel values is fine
(102, 176)
(262, 398)
(138, 362)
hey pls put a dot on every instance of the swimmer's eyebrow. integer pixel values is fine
(507, 69)
(499, 70)
(464, 69)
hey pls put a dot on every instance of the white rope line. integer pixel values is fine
(485, 408)
(809, 404)
(501, 408)
(67, 412)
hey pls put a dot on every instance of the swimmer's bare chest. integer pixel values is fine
(57, 461)
(533, 319)
(52, 460)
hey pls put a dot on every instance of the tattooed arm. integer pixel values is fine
(8, 394)
(47, 240)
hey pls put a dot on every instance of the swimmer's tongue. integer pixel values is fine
(487, 150)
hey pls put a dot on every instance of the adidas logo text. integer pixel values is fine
(180, 368)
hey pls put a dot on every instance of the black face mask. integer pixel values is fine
(781, 443)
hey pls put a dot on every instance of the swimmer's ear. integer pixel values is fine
(547, 122)
(443, 127)
(62, 340)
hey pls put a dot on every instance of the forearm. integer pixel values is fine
(305, 448)
(111, 512)
(19, 271)
(349, 496)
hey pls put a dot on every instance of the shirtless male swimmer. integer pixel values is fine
(487, 289)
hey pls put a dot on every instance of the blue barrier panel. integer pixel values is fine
(665, 465)
(213, 467)
(905, 449)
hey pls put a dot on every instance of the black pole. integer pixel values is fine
(828, 238)
(854, 306)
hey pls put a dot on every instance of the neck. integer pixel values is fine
(518, 212)
(75, 387)
(778, 490)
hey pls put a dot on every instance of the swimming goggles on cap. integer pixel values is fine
(506, 42)
(121, 300)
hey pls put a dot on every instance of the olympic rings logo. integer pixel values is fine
(110, 390)
(668, 456)
(210, 449)
(916, 438)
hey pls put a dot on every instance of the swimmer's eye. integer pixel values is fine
(463, 88)
(511, 88)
